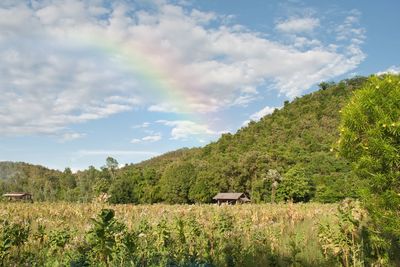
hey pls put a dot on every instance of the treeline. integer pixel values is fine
(285, 156)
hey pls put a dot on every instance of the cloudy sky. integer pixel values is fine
(131, 79)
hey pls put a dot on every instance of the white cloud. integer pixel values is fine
(303, 42)
(150, 138)
(298, 25)
(182, 129)
(249, 90)
(69, 136)
(244, 100)
(67, 62)
(390, 70)
(259, 114)
(163, 107)
(348, 30)
(143, 125)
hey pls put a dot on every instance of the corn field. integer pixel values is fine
(99, 234)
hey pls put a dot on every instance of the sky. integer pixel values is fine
(132, 79)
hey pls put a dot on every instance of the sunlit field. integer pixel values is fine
(161, 235)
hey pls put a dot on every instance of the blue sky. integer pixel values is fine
(83, 80)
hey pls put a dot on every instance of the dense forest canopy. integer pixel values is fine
(286, 156)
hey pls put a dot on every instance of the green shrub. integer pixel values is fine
(102, 236)
(370, 139)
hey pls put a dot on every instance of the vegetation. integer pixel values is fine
(293, 143)
(286, 157)
(98, 234)
(53, 234)
(370, 138)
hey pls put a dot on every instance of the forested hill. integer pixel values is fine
(290, 149)
(295, 141)
(21, 176)
(10, 170)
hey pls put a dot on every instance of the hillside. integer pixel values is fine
(9, 169)
(296, 139)
(15, 170)
(20, 176)
(286, 155)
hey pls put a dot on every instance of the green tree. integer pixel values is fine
(112, 166)
(260, 190)
(101, 186)
(274, 179)
(122, 191)
(325, 85)
(86, 183)
(102, 235)
(264, 188)
(68, 179)
(370, 138)
(202, 190)
(295, 186)
(149, 187)
(176, 182)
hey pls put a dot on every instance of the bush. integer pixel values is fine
(370, 138)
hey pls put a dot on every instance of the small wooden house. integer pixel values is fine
(231, 198)
(18, 196)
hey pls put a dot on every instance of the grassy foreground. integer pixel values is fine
(61, 234)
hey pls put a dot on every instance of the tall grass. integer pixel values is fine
(61, 234)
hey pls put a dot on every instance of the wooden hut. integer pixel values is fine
(18, 196)
(231, 198)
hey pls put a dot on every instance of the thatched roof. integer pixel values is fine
(229, 196)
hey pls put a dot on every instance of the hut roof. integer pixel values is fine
(229, 196)
(16, 194)
(245, 199)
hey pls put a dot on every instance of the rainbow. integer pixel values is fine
(160, 80)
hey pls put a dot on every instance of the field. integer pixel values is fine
(59, 234)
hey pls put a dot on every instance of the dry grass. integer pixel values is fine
(289, 231)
